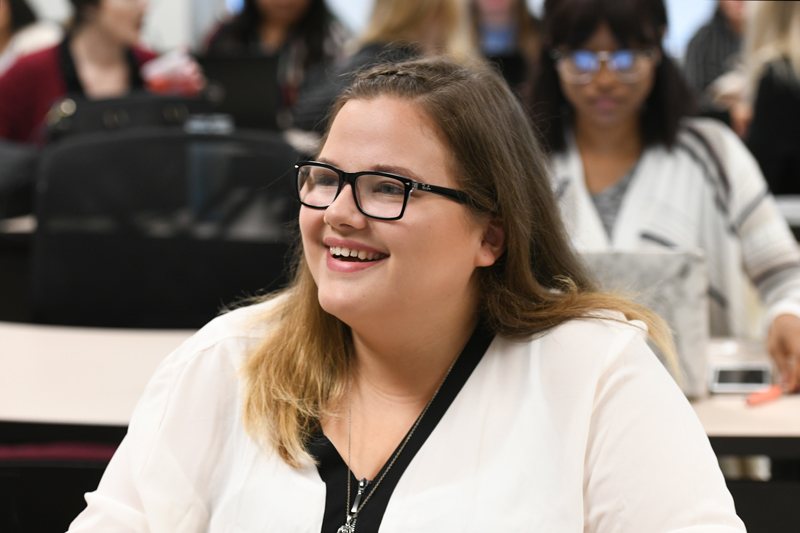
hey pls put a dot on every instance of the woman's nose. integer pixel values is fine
(344, 211)
(604, 75)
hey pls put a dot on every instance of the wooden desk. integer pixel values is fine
(736, 428)
(69, 375)
(72, 375)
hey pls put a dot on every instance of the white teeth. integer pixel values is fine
(360, 254)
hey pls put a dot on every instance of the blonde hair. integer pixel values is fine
(299, 372)
(400, 22)
(773, 32)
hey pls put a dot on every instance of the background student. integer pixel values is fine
(632, 171)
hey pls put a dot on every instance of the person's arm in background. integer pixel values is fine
(769, 251)
(15, 105)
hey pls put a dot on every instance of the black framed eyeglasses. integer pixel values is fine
(580, 66)
(378, 195)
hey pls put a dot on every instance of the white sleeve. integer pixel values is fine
(769, 250)
(162, 477)
(649, 465)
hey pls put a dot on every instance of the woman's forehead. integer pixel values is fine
(382, 132)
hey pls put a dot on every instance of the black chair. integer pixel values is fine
(159, 228)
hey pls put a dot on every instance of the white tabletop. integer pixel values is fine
(76, 375)
(72, 375)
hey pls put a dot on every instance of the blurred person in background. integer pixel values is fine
(21, 33)
(772, 60)
(99, 58)
(632, 171)
(508, 34)
(397, 30)
(714, 51)
(304, 34)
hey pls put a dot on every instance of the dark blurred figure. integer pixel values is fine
(21, 34)
(714, 51)
(509, 35)
(773, 60)
(303, 33)
(397, 30)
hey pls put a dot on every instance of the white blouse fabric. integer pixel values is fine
(579, 430)
(705, 194)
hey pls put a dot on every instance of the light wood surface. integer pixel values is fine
(70, 375)
(76, 375)
(729, 416)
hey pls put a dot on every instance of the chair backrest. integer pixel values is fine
(74, 115)
(159, 227)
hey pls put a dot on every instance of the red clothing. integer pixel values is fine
(30, 87)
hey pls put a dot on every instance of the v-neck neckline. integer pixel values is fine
(333, 469)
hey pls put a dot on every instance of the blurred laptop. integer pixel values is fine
(245, 87)
(674, 284)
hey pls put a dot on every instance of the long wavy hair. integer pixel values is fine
(299, 372)
(399, 22)
(773, 33)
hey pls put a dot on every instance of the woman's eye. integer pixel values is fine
(324, 180)
(389, 188)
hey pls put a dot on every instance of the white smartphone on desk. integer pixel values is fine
(740, 377)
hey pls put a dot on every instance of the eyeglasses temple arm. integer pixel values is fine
(458, 196)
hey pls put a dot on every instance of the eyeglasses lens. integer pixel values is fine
(380, 196)
(317, 186)
(623, 60)
(581, 65)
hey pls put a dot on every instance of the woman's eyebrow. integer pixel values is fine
(391, 169)
(400, 171)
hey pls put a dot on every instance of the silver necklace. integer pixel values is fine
(352, 513)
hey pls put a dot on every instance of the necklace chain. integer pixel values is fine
(350, 523)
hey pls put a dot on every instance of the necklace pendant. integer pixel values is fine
(348, 527)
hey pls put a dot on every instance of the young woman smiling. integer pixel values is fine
(465, 377)
(633, 172)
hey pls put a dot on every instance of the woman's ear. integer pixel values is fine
(493, 244)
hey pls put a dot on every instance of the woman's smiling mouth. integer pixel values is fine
(345, 254)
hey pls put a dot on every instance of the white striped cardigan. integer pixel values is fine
(706, 193)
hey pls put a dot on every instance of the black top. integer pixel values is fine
(334, 471)
(774, 135)
(73, 82)
(711, 53)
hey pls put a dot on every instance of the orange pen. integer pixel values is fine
(772, 393)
